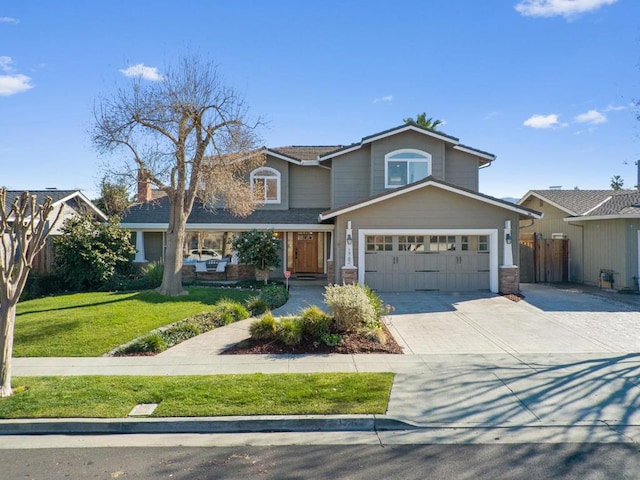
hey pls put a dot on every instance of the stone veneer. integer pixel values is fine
(331, 278)
(509, 280)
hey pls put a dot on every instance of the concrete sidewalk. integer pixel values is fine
(510, 390)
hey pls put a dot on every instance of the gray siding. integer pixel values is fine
(309, 187)
(415, 140)
(461, 169)
(350, 177)
(427, 208)
(608, 248)
(552, 222)
(153, 246)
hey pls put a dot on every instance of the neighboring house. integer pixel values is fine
(72, 202)
(399, 210)
(603, 229)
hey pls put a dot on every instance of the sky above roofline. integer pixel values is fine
(547, 85)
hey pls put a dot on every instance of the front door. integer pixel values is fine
(305, 251)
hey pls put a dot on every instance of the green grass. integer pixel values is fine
(190, 396)
(92, 324)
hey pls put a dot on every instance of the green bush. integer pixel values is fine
(257, 305)
(89, 254)
(151, 343)
(152, 274)
(180, 332)
(41, 285)
(227, 311)
(257, 284)
(378, 305)
(315, 324)
(264, 328)
(289, 331)
(274, 295)
(258, 248)
(350, 307)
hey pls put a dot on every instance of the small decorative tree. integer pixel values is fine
(260, 249)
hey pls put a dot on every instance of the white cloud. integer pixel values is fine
(12, 84)
(385, 99)
(543, 121)
(565, 8)
(593, 117)
(5, 64)
(614, 108)
(141, 70)
(9, 20)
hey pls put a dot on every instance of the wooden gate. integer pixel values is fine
(543, 260)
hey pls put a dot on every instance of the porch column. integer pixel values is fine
(509, 275)
(507, 251)
(349, 271)
(140, 256)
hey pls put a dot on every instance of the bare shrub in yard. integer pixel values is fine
(350, 306)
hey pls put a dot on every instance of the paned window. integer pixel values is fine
(379, 243)
(406, 166)
(265, 183)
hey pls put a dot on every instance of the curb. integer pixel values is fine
(261, 424)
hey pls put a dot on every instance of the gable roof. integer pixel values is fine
(591, 204)
(485, 157)
(428, 182)
(58, 197)
(302, 153)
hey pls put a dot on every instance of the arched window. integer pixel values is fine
(265, 181)
(405, 166)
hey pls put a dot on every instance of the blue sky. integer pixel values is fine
(546, 85)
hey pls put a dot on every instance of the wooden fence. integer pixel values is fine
(543, 260)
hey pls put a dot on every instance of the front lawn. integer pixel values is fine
(92, 324)
(194, 396)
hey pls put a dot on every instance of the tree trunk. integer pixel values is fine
(7, 321)
(172, 275)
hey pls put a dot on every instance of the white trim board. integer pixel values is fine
(492, 233)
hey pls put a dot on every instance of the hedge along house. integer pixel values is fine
(400, 210)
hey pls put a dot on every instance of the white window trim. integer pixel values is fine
(490, 232)
(387, 158)
(277, 176)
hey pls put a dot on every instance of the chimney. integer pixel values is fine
(144, 187)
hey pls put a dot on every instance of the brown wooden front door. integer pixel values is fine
(305, 251)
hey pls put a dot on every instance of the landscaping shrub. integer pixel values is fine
(152, 274)
(264, 328)
(41, 285)
(274, 295)
(350, 306)
(227, 311)
(152, 343)
(180, 332)
(257, 305)
(315, 324)
(89, 253)
(289, 331)
(256, 284)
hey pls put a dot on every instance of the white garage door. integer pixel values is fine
(400, 263)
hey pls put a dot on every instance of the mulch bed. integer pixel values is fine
(351, 343)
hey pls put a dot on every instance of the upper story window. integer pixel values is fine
(405, 166)
(265, 182)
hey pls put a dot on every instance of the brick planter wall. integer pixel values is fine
(331, 278)
(349, 275)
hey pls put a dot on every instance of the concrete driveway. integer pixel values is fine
(549, 320)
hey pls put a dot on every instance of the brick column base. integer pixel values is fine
(331, 275)
(509, 280)
(349, 275)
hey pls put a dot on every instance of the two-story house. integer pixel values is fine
(399, 210)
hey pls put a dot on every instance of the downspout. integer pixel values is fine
(582, 240)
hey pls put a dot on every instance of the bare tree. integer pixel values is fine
(24, 226)
(190, 137)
